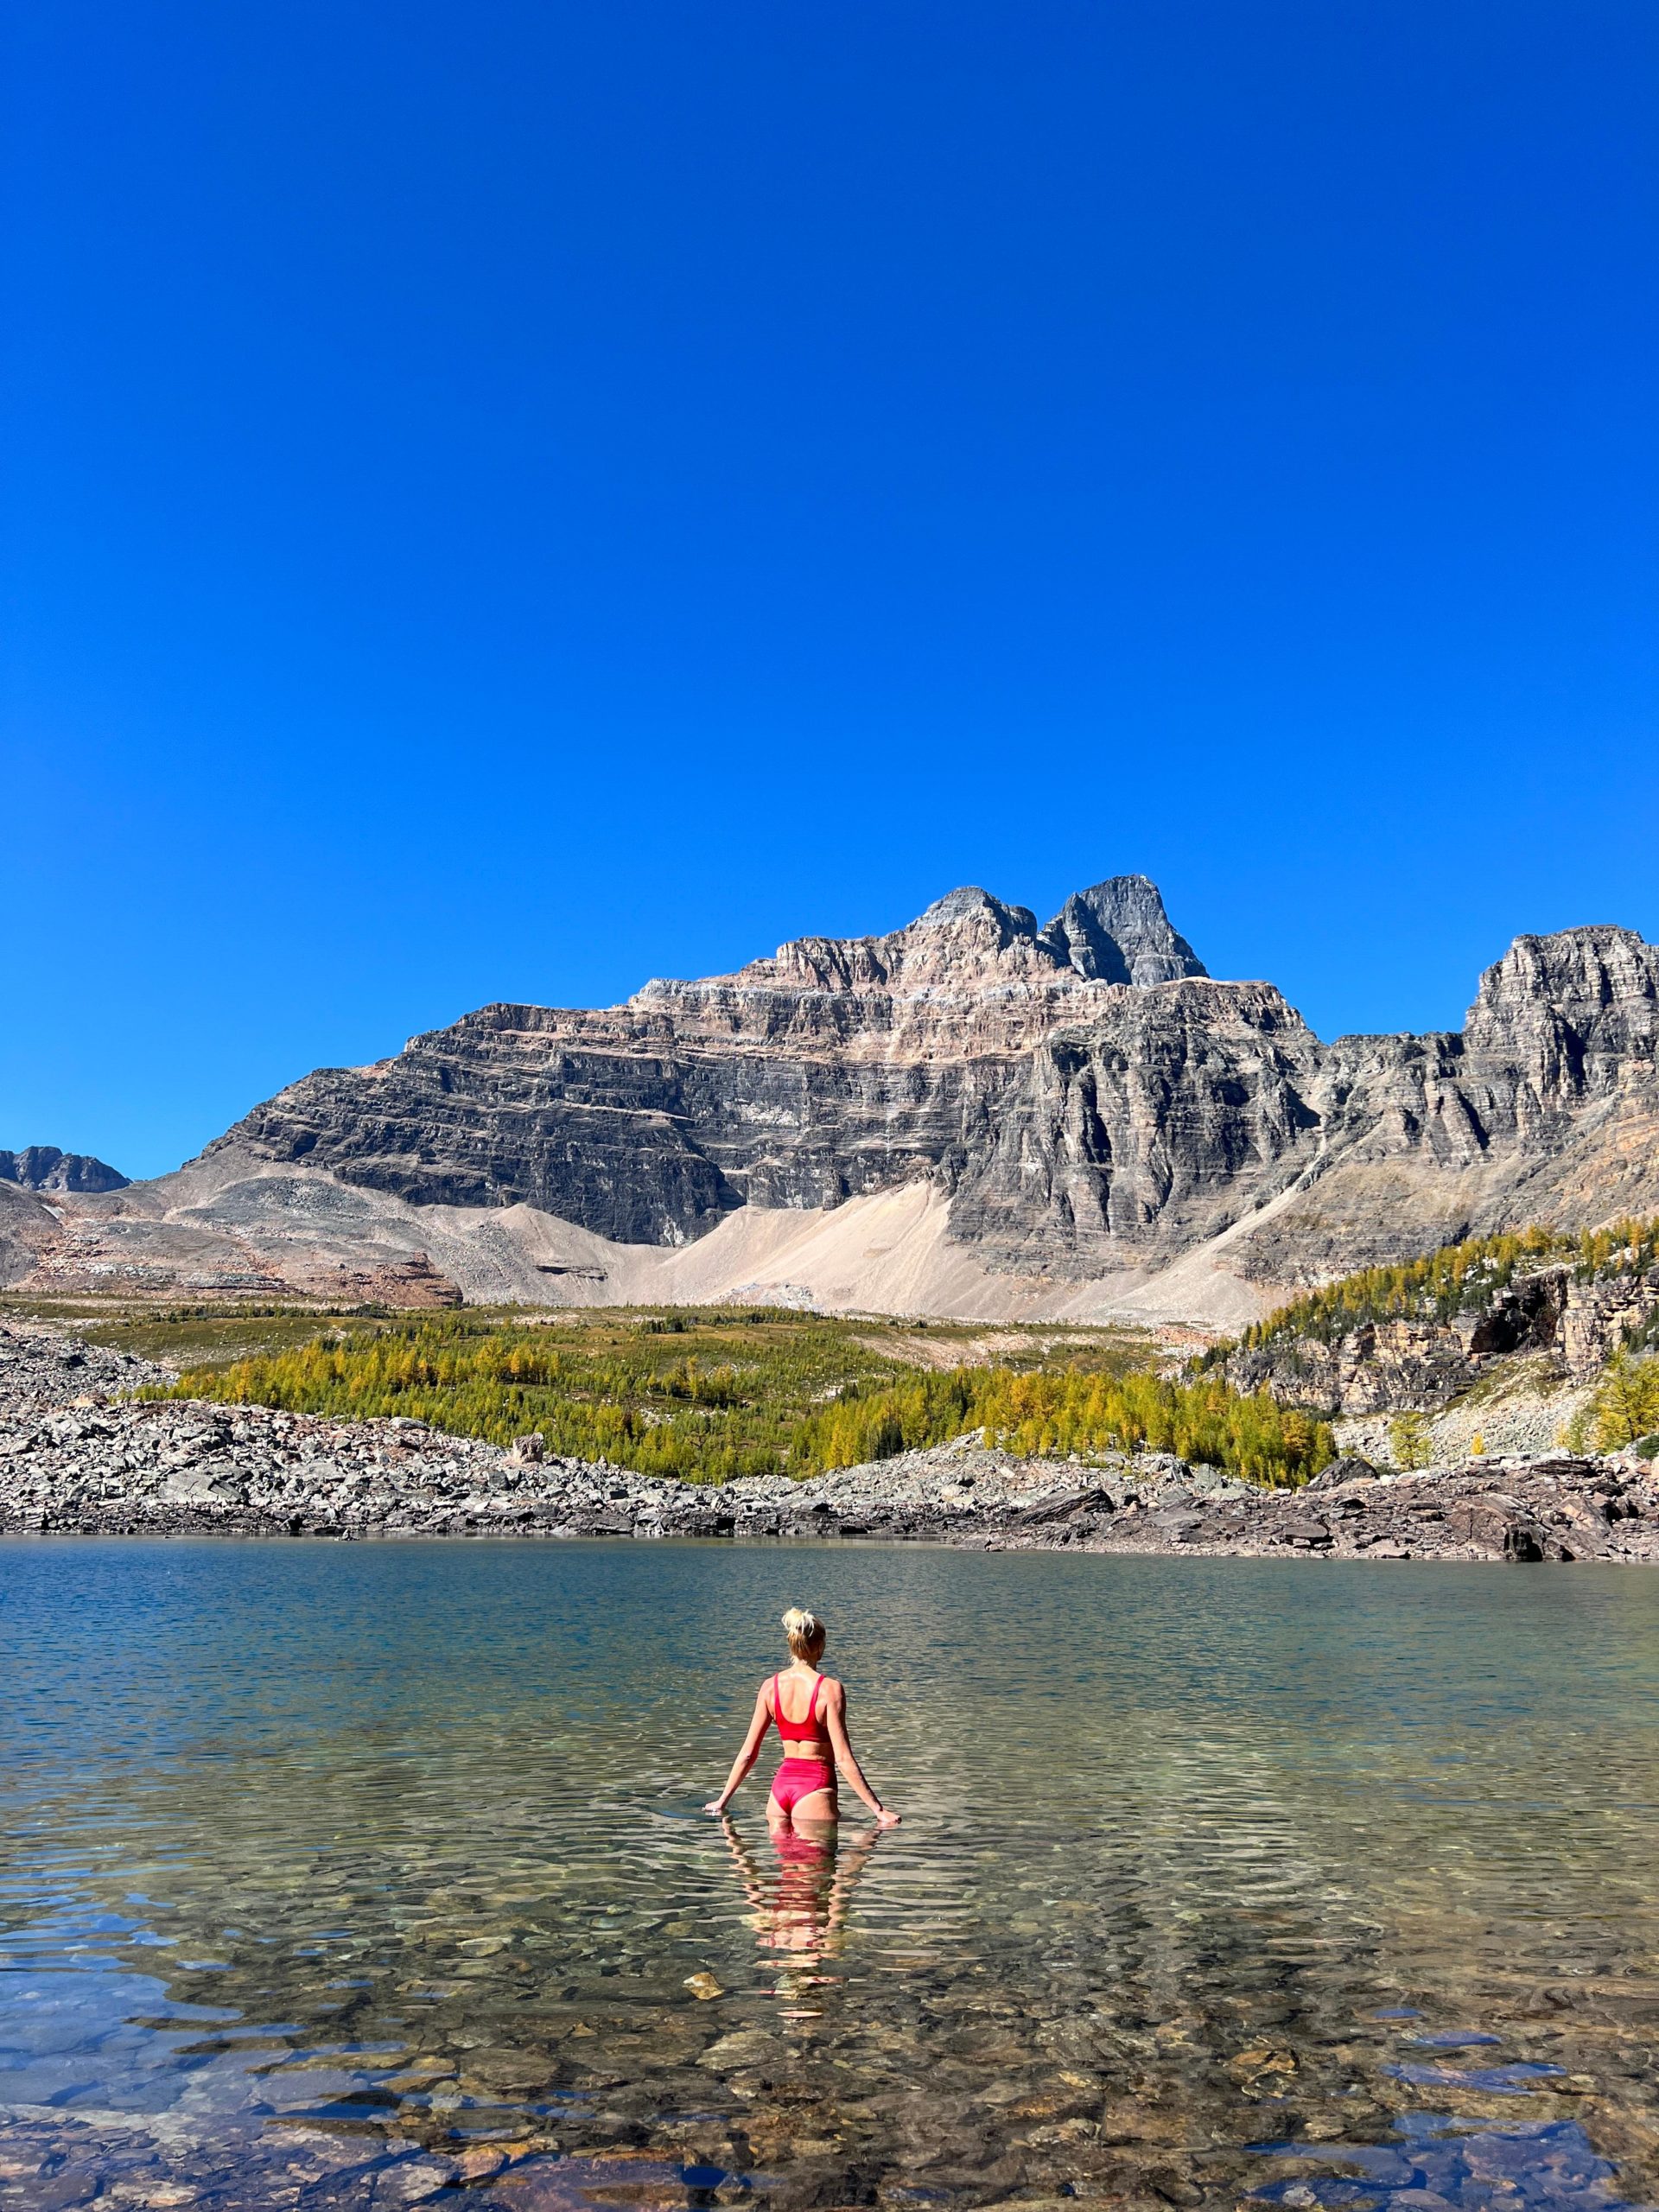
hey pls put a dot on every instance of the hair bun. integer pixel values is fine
(800, 1621)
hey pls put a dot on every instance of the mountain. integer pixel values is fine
(43, 1167)
(34, 1184)
(972, 1115)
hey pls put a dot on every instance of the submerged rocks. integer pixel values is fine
(75, 1455)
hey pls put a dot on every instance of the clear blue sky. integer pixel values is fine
(505, 501)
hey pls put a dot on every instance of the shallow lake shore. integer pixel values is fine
(348, 1875)
(78, 1456)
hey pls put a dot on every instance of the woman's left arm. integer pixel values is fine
(747, 1758)
(834, 1715)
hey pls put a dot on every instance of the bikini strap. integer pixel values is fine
(812, 1709)
(777, 1705)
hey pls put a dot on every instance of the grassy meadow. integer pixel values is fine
(708, 1394)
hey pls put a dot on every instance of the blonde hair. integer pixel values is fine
(806, 1632)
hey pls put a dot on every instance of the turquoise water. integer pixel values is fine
(358, 1874)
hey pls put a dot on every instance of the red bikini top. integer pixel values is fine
(797, 1731)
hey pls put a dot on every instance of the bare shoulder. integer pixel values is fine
(835, 1693)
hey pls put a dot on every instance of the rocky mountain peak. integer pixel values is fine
(970, 901)
(45, 1167)
(970, 941)
(1573, 1008)
(1118, 932)
(1595, 966)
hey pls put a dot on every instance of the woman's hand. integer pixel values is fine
(716, 1805)
(886, 1818)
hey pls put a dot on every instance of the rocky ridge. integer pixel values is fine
(1076, 1121)
(1091, 1126)
(44, 1167)
(73, 1459)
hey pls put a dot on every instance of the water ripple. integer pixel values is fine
(376, 1872)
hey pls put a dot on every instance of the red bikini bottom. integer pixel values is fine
(799, 1779)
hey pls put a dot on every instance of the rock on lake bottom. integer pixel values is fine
(368, 1875)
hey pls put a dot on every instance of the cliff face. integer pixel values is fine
(1075, 1087)
(1545, 1108)
(1141, 1127)
(1084, 1104)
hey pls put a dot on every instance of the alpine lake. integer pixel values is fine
(375, 1873)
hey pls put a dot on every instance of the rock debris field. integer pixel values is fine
(77, 1455)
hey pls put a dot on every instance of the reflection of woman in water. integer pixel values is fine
(811, 1711)
(805, 1908)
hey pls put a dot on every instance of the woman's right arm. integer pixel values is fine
(746, 1758)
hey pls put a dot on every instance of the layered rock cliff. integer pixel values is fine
(1076, 1103)
(1545, 1108)
(1069, 1111)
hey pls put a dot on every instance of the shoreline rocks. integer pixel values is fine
(75, 1457)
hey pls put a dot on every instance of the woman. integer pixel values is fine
(811, 1711)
